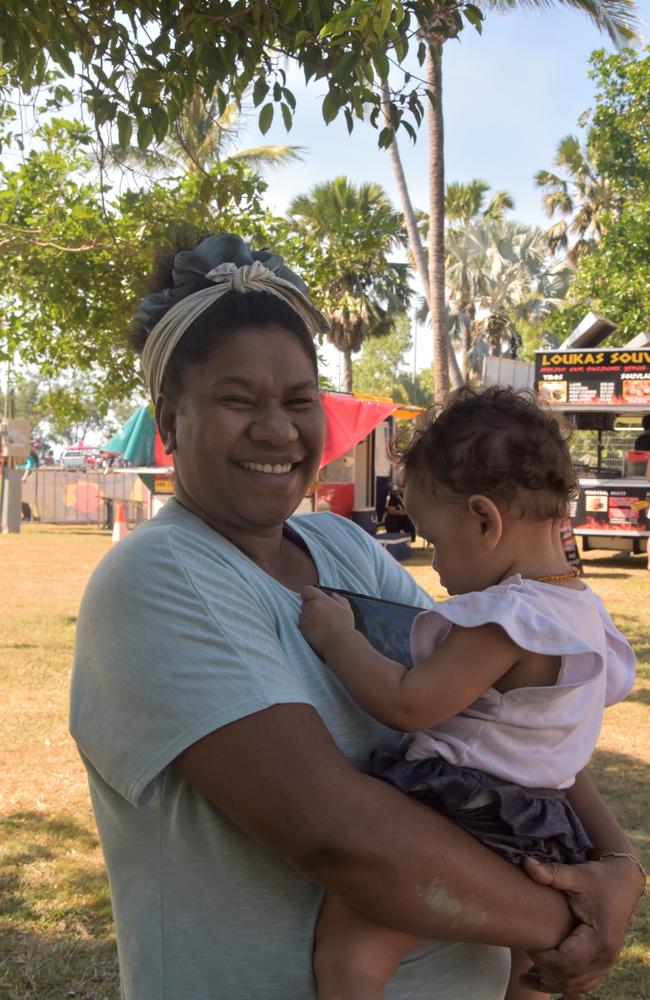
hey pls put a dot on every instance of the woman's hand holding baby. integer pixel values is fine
(323, 617)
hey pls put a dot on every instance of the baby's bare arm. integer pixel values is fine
(468, 662)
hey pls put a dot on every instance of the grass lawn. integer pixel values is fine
(56, 936)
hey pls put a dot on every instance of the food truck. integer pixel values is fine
(604, 393)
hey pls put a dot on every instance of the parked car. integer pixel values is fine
(80, 459)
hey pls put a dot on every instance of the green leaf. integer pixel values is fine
(349, 120)
(206, 189)
(159, 121)
(286, 115)
(386, 9)
(331, 106)
(380, 62)
(288, 10)
(124, 129)
(266, 118)
(474, 15)
(260, 90)
(386, 138)
(289, 98)
(409, 128)
(103, 109)
(345, 65)
(314, 9)
(145, 134)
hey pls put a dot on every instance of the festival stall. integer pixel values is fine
(603, 391)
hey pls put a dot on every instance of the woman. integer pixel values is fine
(224, 761)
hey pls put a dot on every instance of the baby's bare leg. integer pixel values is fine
(354, 957)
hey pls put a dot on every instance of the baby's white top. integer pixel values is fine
(537, 737)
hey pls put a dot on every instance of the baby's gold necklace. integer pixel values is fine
(557, 577)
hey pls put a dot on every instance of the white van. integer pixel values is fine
(79, 458)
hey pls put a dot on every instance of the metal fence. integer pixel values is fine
(54, 496)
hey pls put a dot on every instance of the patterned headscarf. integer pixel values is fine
(229, 265)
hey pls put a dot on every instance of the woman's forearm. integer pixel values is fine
(279, 777)
(442, 883)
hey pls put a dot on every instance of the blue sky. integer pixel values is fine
(510, 95)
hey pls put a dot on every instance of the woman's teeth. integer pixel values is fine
(273, 470)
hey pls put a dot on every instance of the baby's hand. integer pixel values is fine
(323, 616)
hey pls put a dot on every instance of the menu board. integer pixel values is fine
(594, 378)
(610, 508)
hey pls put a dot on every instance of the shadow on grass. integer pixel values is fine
(624, 560)
(624, 782)
(39, 967)
(36, 840)
(56, 929)
(641, 696)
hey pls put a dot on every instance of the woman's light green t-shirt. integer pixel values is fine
(179, 633)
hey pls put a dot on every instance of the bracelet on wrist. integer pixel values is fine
(635, 861)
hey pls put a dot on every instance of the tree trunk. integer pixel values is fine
(468, 338)
(444, 354)
(455, 374)
(437, 310)
(415, 241)
(347, 370)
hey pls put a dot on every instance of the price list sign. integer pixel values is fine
(593, 378)
(608, 509)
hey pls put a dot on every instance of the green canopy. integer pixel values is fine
(136, 439)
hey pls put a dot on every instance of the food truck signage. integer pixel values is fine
(610, 507)
(593, 378)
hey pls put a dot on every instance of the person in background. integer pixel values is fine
(29, 466)
(642, 443)
(395, 517)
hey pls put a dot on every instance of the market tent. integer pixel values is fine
(350, 419)
(138, 441)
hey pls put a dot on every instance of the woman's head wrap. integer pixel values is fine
(229, 265)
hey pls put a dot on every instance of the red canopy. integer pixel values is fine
(350, 420)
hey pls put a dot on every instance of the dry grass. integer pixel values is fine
(56, 936)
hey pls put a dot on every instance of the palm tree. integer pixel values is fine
(582, 196)
(499, 272)
(200, 138)
(465, 202)
(352, 230)
(618, 18)
(465, 205)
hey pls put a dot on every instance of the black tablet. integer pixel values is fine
(385, 624)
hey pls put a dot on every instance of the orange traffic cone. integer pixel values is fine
(120, 527)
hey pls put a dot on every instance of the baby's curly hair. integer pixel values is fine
(497, 442)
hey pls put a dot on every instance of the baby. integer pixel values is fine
(511, 676)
